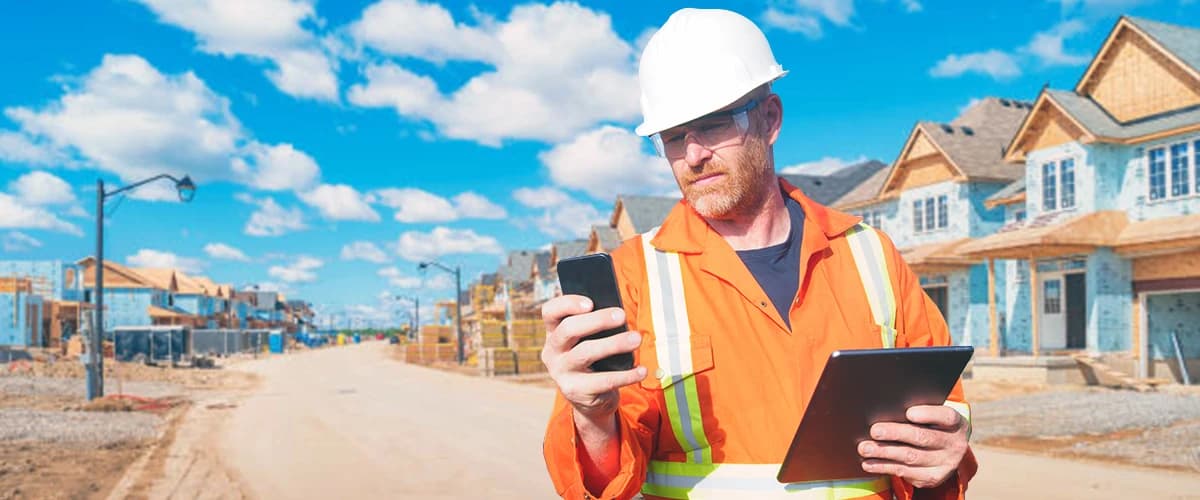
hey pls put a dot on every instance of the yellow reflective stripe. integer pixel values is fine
(673, 347)
(684, 480)
(867, 249)
(963, 409)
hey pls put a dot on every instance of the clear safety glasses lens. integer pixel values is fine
(714, 131)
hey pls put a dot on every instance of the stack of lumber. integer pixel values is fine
(527, 333)
(491, 334)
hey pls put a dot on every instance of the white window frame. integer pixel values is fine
(1192, 156)
(1058, 183)
(931, 226)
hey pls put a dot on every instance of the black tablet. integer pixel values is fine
(857, 389)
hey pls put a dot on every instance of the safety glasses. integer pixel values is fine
(713, 131)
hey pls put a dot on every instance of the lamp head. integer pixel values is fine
(186, 188)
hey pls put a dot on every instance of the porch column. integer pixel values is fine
(1034, 309)
(993, 328)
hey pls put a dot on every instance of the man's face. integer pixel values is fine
(725, 181)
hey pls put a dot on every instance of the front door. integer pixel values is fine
(1053, 322)
(1076, 293)
(939, 297)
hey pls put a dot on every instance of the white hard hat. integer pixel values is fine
(700, 61)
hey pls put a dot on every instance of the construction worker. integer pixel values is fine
(733, 306)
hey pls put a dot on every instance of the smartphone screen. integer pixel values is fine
(592, 276)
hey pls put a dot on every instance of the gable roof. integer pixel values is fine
(975, 140)
(603, 238)
(89, 278)
(1011, 193)
(1088, 114)
(865, 192)
(519, 266)
(1180, 43)
(567, 249)
(828, 189)
(163, 279)
(645, 212)
(541, 263)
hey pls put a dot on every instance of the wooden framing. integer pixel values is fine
(1037, 125)
(920, 147)
(1011, 200)
(1035, 317)
(1133, 76)
(1167, 266)
(993, 327)
(1080, 234)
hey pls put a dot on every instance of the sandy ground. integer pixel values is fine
(351, 422)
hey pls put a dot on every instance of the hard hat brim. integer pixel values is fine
(649, 128)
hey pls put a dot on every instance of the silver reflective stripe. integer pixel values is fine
(673, 346)
(683, 480)
(867, 249)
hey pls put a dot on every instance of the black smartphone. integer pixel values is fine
(592, 276)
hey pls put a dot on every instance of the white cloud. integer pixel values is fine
(398, 279)
(837, 12)
(157, 259)
(417, 246)
(562, 216)
(272, 219)
(127, 118)
(301, 270)
(225, 252)
(912, 5)
(15, 214)
(825, 166)
(16, 241)
(476, 206)
(41, 188)
(264, 29)
(1047, 46)
(18, 148)
(415, 205)
(606, 162)
(543, 197)
(364, 250)
(994, 63)
(340, 202)
(276, 168)
(555, 70)
(795, 23)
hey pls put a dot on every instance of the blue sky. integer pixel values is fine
(336, 144)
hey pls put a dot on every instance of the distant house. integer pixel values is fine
(1101, 245)
(633, 215)
(603, 239)
(132, 298)
(931, 201)
(827, 188)
(59, 288)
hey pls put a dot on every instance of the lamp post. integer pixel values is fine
(95, 365)
(457, 272)
(416, 316)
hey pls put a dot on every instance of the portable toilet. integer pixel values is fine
(276, 342)
(341, 339)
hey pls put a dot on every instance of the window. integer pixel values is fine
(930, 216)
(1067, 176)
(1053, 300)
(1196, 165)
(942, 216)
(1019, 216)
(1179, 170)
(917, 213)
(1158, 174)
(1049, 187)
(876, 219)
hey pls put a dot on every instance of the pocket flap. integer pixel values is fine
(665, 370)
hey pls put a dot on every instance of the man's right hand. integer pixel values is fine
(594, 395)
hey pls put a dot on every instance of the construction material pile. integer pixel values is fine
(505, 361)
(436, 345)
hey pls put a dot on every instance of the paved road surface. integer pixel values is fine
(352, 423)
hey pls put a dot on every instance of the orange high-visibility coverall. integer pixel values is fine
(754, 375)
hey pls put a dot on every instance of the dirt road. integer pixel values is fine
(352, 423)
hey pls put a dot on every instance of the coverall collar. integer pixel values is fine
(686, 232)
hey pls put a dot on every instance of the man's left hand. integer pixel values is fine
(925, 452)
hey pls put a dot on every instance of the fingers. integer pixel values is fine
(920, 477)
(943, 417)
(586, 390)
(572, 329)
(899, 453)
(585, 353)
(910, 434)
(554, 310)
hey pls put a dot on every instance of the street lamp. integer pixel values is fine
(416, 317)
(457, 272)
(95, 367)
